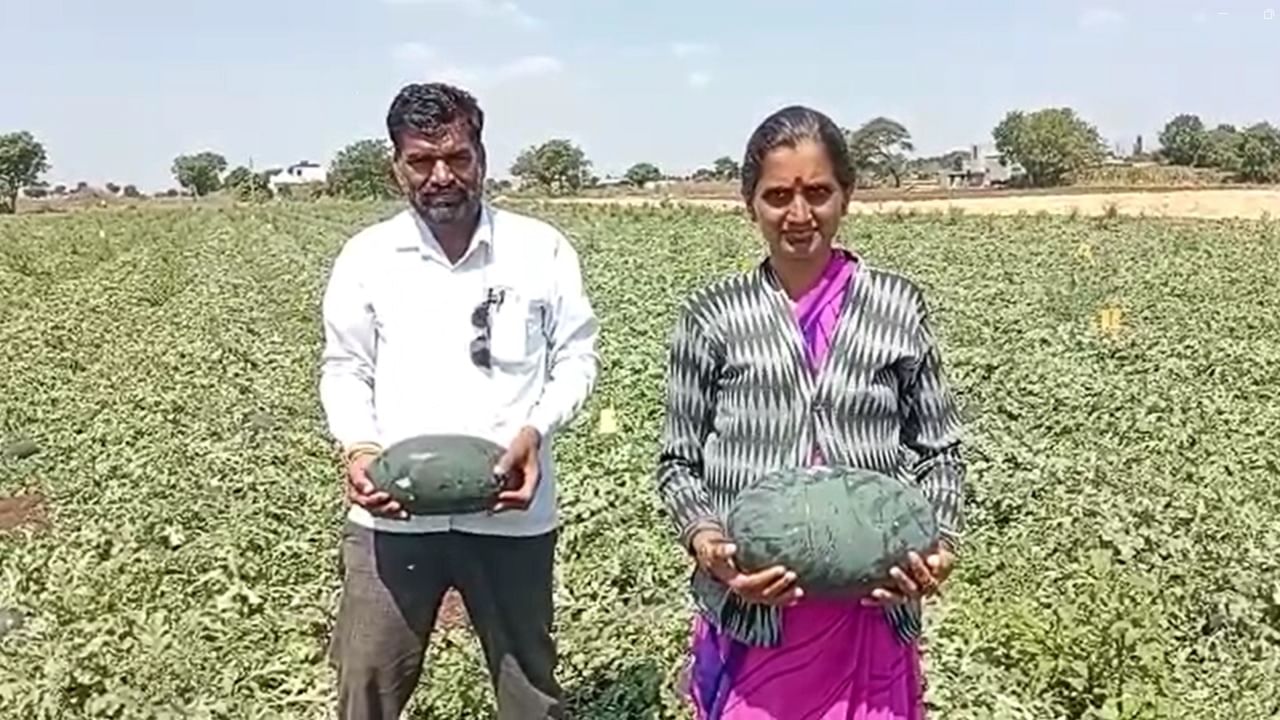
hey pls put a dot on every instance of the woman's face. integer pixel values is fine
(798, 202)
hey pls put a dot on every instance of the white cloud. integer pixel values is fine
(426, 64)
(512, 12)
(691, 49)
(504, 10)
(699, 79)
(413, 53)
(1100, 18)
(464, 77)
(530, 66)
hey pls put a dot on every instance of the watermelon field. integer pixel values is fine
(170, 550)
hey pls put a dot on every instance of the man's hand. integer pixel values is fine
(771, 586)
(519, 470)
(360, 490)
(925, 578)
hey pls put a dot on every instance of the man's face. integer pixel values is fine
(441, 175)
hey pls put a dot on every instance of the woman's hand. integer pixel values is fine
(772, 586)
(920, 578)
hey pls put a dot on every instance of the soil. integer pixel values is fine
(1215, 203)
(23, 511)
(453, 613)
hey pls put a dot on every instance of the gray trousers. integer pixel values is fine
(392, 588)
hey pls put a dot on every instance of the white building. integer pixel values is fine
(981, 167)
(299, 174)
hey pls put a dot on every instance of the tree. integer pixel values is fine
(556, 166)
(201, 173)
(642, 174)
(362, 171)
(247, 185)
(1050, 144)
(22, 162)
(1220, 148)
(131, 191)
(113, 188)
(1258, 150)
(1182, 139)
(726, 169)
(494, 187)
(879, 147)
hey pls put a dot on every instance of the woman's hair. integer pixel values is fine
(789, 127)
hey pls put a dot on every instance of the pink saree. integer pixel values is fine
(838, 660)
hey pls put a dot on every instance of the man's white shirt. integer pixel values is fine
(397, 335)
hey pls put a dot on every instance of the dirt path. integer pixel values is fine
(22, 511)
(1250, 204)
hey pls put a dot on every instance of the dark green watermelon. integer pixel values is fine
(262, 421)
(11, 621)
(439, 474)
(838, 529)
(20, 449)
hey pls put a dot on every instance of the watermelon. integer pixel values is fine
(20, 449)
(439, 474)
(840, 530)
(262, 421)
(11, 621)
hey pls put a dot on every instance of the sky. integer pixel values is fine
(115, 90)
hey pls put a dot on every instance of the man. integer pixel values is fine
(451, 317)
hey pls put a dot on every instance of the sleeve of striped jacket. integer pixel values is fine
(689, 409)
(932, 430)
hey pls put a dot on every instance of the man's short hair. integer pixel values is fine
(430, 108)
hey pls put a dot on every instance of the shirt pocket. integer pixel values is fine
(517, 337)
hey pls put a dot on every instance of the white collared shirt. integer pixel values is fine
(397, 335)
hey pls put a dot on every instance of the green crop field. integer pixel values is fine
(1123, 556)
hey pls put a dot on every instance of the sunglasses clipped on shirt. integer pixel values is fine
(482, 321)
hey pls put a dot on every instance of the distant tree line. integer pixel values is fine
(1251, 155)
(1050, 146)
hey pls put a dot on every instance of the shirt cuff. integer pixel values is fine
(544, 422)
(698, 525)
(949, 540)
(351, 451)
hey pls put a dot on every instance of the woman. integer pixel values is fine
(811, 357)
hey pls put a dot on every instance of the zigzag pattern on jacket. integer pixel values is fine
(741, 400)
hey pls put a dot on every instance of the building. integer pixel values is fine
(302, 173)
(980, 167)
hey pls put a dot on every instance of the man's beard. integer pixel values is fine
(446, 209)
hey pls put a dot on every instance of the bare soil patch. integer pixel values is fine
(1214, 204)
(453, 613)
(23, 511)
(1218, 204)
